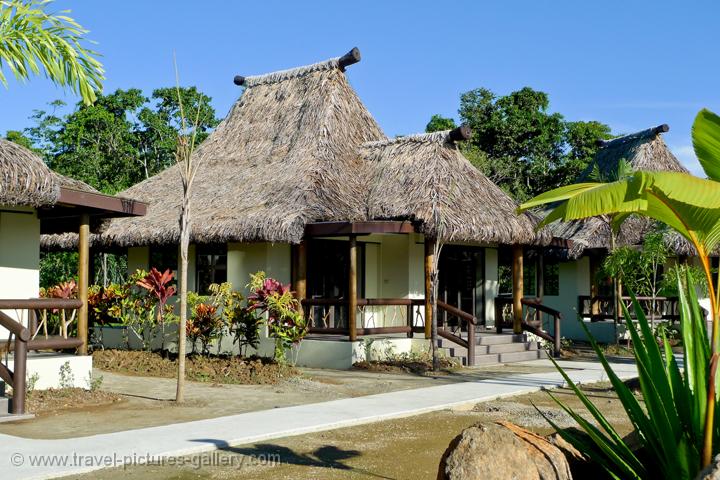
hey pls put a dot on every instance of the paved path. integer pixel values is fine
(85, 454)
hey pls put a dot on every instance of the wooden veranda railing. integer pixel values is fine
(450, 327)
(602, 307)
(22, 339)
(536, 319)
(397, 315)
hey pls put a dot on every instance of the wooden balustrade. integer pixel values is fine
(446, 331)
(24, 340)
(602, 307)
(536, 319)
(329, 312)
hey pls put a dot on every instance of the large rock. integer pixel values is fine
(712, 471)
(502, 451)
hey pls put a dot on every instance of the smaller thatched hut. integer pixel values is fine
(35, 200)
(643, 150)
(425, 178)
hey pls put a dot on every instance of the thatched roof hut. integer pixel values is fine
(285, 155)
(425, 178)
(25, 180)
(643, 150)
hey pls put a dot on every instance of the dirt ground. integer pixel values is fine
(147, 402)
(398, 449)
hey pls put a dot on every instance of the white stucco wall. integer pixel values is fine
(19, 255)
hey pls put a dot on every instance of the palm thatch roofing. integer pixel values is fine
(285, 155)
(425, 178)
(645, 151)
(299, 147)
(26, 181)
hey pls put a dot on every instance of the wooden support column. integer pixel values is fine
(540, 276)
(352, 290)
(539, 282)
(594, 267)
(517, 275)
(83, 280)
(299, 254)
(429, 261)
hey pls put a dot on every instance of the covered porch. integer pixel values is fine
(359, 281)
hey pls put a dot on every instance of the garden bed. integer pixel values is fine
(211, 369)
(54, 401)
(416, 366)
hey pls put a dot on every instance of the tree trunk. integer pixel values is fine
(184, 246)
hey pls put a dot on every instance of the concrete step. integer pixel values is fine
(495, 339)
(500, 358)
(486, 340)
(522, 356)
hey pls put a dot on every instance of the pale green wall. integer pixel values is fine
(416, 278)
(247, 258)
(575, 281)
(396, 268)
(19, 255)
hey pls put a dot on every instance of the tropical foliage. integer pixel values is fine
(33, 41)
(285, 319)
(519, 144)
(680, 432)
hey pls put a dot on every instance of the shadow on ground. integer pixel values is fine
(327, 456)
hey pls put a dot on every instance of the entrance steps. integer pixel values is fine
(492, 349)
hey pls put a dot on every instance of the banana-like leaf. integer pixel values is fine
(706, 141)
(557, 195)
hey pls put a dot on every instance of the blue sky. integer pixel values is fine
(629, 64)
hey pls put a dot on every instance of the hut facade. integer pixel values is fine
(589, 241)
(299, 181)
(34, 200)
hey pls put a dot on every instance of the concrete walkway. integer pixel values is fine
(57, 458)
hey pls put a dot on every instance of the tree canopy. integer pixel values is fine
(121, 139)
(519, 144)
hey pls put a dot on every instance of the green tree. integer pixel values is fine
(123, 138)
(34, 41)
(439, 123)
(519, 144)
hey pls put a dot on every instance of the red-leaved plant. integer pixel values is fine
(285, 317)
(158, 284)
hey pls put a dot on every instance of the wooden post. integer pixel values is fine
(539, 284)
(299, 252)
(517, 274)
(19, 373)
(352, 290)
(594, 267)
(429, 261)
(83, 279)
(540, 277)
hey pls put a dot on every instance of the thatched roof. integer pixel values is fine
(285, 155)
(25, 180)
(425, 178)
(643, 150)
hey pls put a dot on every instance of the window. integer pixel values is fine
(210, 266)
(164, 258)
(551, 277)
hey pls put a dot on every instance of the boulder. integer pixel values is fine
(712, 471)
(502, 451)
